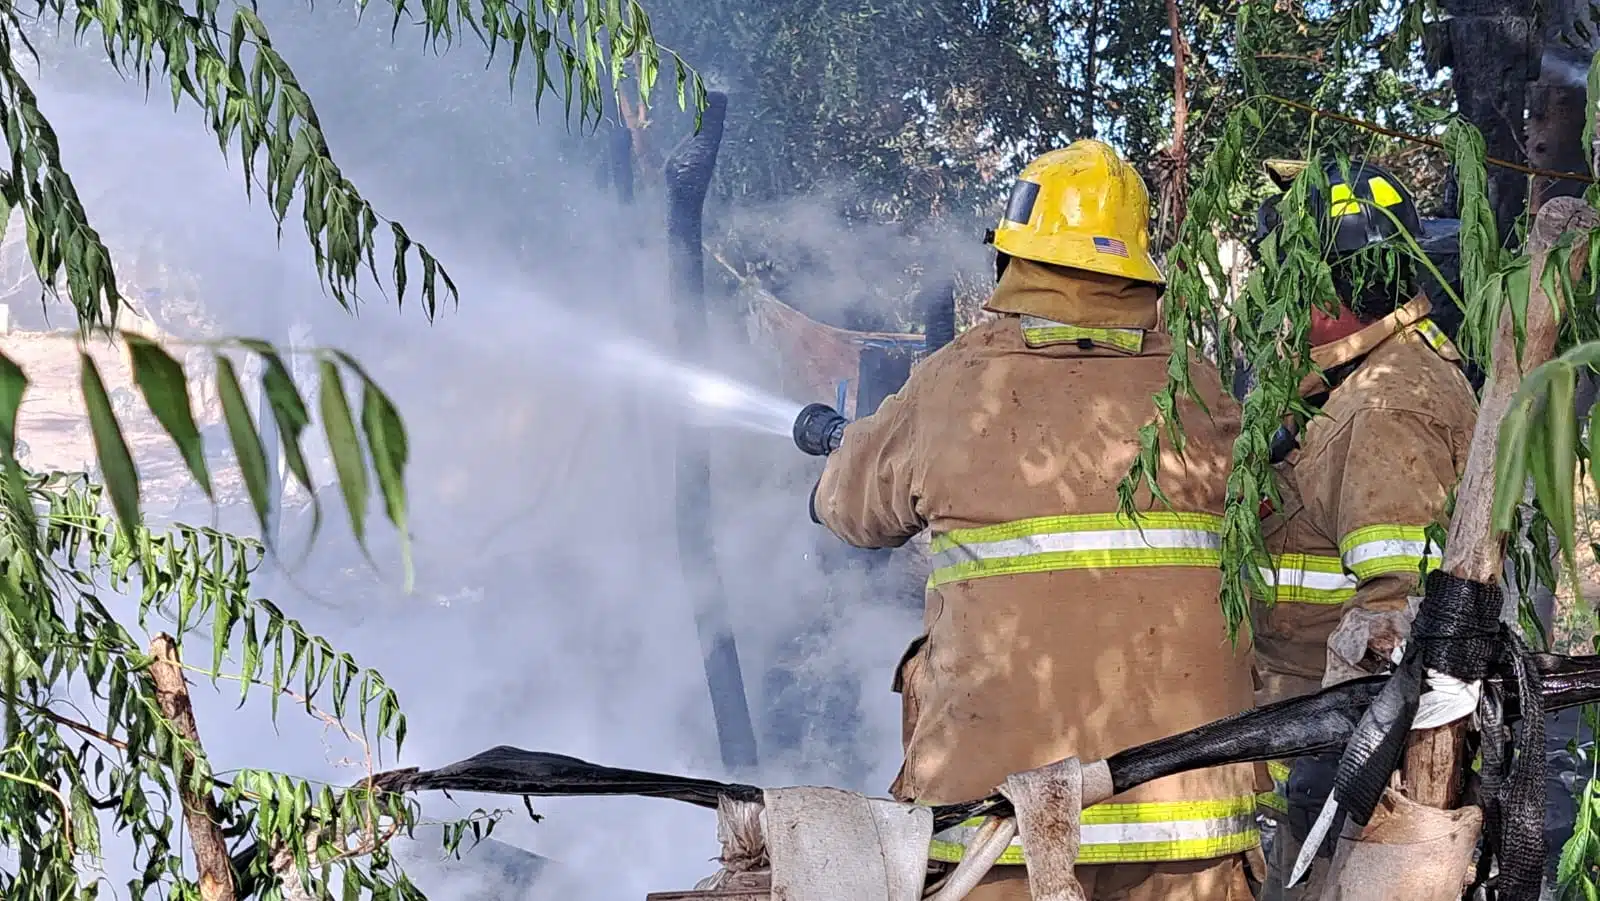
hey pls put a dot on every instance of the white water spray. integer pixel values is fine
(713, 399)
(708, 398)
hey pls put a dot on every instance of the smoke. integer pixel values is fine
(1564, 66)
(550, 612)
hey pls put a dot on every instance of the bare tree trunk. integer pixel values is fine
(1180, 79)
(1172, 164)
(1473, 551)
(199, 809)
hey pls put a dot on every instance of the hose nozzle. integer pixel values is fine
(818, 430)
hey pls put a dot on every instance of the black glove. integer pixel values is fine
(818, 430)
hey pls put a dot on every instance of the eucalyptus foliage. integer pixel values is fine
(1541, 442)
(86, 741)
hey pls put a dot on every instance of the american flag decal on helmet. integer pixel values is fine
(1111, 246)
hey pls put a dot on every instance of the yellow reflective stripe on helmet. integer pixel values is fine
(1342, 201)
(1383, 193)
(1387, 548)
(1136, 833)
(1308, 579)
(1038, 332)
(1085, 541)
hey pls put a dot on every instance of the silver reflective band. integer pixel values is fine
(1308, 578)
(1138, 832)
(1067, 542)
(1378, 550)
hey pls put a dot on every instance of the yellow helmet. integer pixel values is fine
(1082, 207)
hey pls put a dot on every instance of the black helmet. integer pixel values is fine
(1358, 204)
(1355, 217)
(1365, 206)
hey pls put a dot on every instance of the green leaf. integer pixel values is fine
(1561, 432)
(13, 384)
(247, 446)
(116, 463)
(345, 446)
(386, 440)
(290, 412)
(166, 393)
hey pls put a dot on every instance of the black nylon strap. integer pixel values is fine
(1520, 843)
(1458, 626)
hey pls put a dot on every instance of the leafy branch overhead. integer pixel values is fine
(58, 636)
(379, 442)
(255, 107)
(74, 578)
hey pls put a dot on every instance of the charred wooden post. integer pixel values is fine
(1491, 47)
(1557, 101)
(621, 161)
(938, 306)
(688, 177)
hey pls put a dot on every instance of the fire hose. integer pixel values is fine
(1519, 689)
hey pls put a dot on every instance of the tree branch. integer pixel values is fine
(1419, 139)
(1088, 68)
(199, 808)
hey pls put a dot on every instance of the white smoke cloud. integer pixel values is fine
(551, 613)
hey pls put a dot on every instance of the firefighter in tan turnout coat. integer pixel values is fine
(1359, 484)
(1054, 627)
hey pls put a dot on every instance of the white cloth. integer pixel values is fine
(826, 844)
(1445, 700)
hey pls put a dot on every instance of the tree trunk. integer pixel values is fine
(1489, 45)
(1473, 551)
(622, 162)
(688, 177)
(1180, 80)
(1088, 70)
(199, 808)
(1557, 101)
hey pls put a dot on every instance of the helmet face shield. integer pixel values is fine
(1024, 195)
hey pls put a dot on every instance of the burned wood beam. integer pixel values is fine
(688, 178)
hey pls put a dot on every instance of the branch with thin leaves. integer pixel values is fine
(63, 561)
(255, 107)
(1270, 319)
(380, 442)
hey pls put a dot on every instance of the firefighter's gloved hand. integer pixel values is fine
(1310, 783)
(818, 430)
